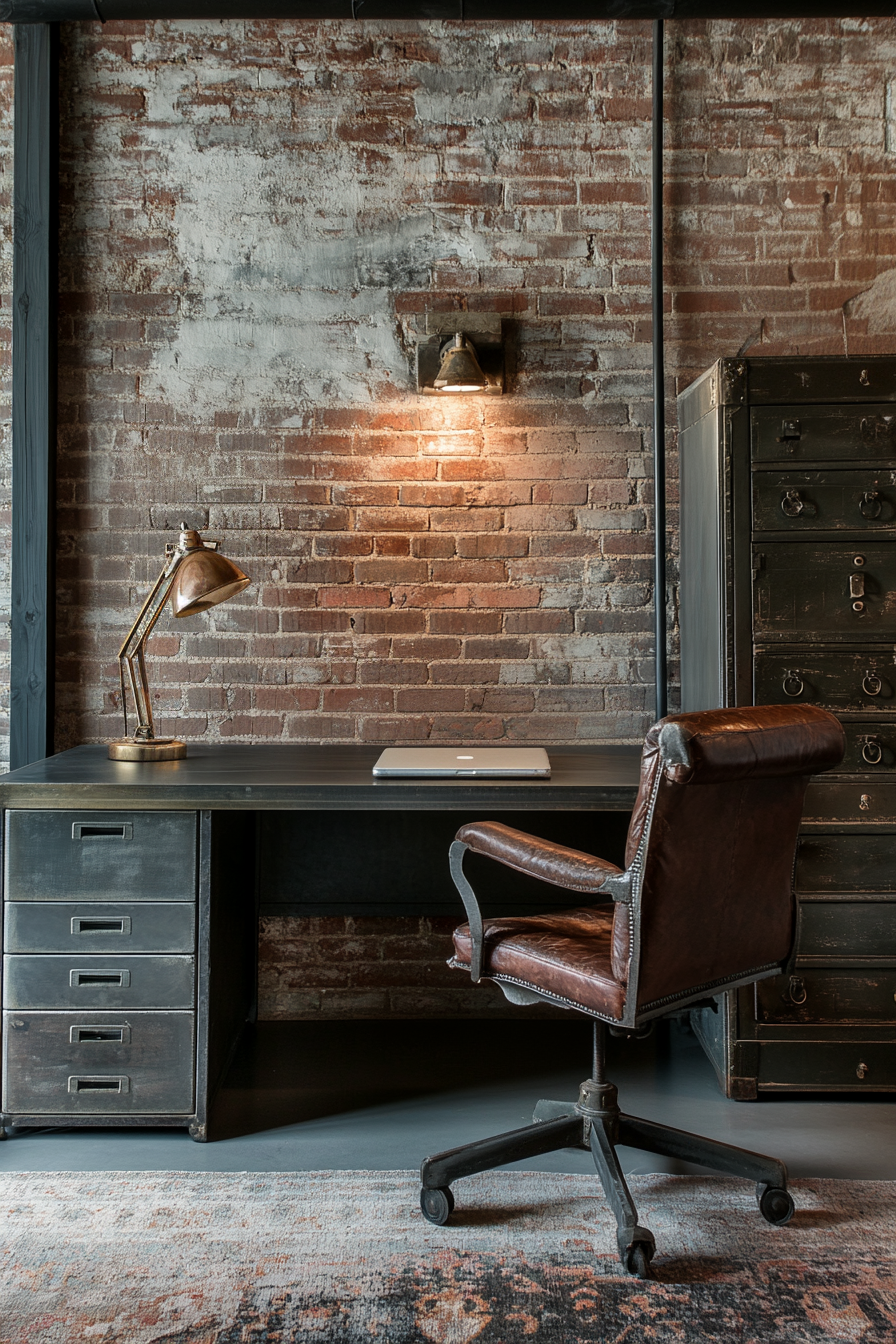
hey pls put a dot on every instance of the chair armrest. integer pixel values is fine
(569, 868)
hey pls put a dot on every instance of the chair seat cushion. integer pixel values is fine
(565, 954)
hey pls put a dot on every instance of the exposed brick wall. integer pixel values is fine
(363, 967)
(254, 217)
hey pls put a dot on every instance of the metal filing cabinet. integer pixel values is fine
(788, 593)
(100, 967)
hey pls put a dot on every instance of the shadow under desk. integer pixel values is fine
(132, 892)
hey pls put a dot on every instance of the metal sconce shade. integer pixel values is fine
(459, 370)
(203, 579)
(460, 353)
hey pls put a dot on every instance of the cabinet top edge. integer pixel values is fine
(788, 379)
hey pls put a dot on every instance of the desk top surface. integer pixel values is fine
(280, 776)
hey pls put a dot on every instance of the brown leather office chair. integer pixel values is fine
(705, 904)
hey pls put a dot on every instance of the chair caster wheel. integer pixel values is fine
(775, 1204)
(638, 1258)
(436, 1204)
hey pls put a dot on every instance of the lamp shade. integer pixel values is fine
(203, 579)
(460, 371)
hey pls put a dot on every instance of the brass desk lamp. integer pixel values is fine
(196, 577)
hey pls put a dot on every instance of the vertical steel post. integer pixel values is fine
(659, 382)
(34, 318)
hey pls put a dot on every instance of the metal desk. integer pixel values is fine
(132, 892)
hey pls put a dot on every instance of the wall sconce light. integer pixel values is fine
(462, 354)
(196, 577)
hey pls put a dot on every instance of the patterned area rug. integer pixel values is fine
(345, 1257)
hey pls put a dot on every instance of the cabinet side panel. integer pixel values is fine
(702, 592)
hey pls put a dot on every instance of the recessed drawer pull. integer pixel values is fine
(93, 1035)
(872, 684)
(83, 830)
(88, 979)
(84, 1083)
(91, 924)
(792, 684)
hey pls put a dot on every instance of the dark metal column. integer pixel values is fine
(34, 318)
(659, 381)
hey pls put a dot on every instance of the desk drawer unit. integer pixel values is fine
(99, 966)
(802, 609)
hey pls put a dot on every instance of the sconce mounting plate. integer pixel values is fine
(482, 329)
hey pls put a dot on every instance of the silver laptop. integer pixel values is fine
(463, 763)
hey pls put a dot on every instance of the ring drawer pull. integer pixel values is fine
(82, 924)
(87, 1083)
(792, 503)
(796, 990)
(872, 751)
(870, 504)
(872, 684)
(861, 1071)
(99, 979)
(88, 830)
(792, 680)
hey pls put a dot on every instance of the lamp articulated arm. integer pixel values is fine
(131, 654)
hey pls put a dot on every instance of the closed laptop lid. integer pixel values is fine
(464, 762)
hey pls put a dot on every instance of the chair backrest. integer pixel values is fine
(716, 823)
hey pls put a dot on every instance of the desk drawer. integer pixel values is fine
(98, 1063)
(822, 501)
(832, 931)
(847, 862)
(823, 433)
(825, 997)
(827, 1066)
(824, 590)
(100, 856)
(863, 803)
(48, 926)
(837, 679)
(110, 981)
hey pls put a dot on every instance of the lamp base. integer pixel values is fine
(157, 749)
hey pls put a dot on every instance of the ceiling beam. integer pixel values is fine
(505, 11)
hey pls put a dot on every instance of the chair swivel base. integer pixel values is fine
(596, 1122)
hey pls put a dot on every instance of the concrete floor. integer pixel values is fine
(379, 1095)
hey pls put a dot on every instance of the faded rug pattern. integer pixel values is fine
(345, 1257)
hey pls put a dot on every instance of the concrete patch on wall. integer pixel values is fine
(876, 305)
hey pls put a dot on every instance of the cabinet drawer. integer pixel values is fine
(817, 501)
(134, 926)
(834, 930)
(807, 433)
(860, 803)
(100, 856)
(821, 1066)
(109, 981)
(98, 1063)
(837, 679)
(840, 591)
(828, 996)
(846, 863)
